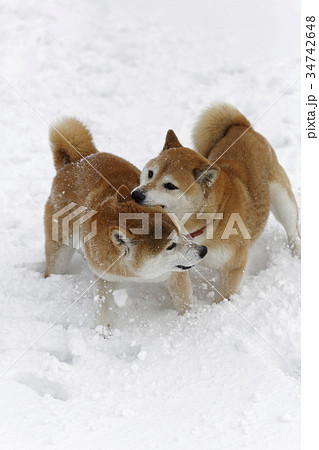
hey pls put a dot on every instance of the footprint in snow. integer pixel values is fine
(44, 387)
(129, 353)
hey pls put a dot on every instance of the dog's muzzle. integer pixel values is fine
(138, 196)
(202, 252)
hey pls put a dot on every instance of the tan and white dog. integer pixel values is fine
(102, 182)
(234, 178)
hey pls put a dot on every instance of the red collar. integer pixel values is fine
(196, 233)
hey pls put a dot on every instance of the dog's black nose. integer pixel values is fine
(138, 196)
(203, 251)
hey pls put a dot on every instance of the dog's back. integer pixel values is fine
(72, 142)
(224, 136)
(213, 124)
(224, 132)
(85, 178)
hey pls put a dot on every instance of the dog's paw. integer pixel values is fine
(104, 331)
(295, 247)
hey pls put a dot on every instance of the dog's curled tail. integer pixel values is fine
(70, 141)
(212, 125)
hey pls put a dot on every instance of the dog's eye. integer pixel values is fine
(173, 245)
(150, 173)
(170, 186)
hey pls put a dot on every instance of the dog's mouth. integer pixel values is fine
(184, 267)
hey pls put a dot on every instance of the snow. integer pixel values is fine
(120, 297)
(223, 376)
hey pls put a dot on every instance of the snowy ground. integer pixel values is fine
(131, 70)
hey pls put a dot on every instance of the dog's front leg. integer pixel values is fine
(105, 304)
(231, 276)
(180, 288)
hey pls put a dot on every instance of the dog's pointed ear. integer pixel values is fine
(121, 237)
(171, 141)
(206, 174)
(123, 194)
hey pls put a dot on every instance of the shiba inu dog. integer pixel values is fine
(233, 178)
(101, 183)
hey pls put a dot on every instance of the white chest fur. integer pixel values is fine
(217, 257)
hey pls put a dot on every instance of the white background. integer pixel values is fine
(310, 219)
(130, 70)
